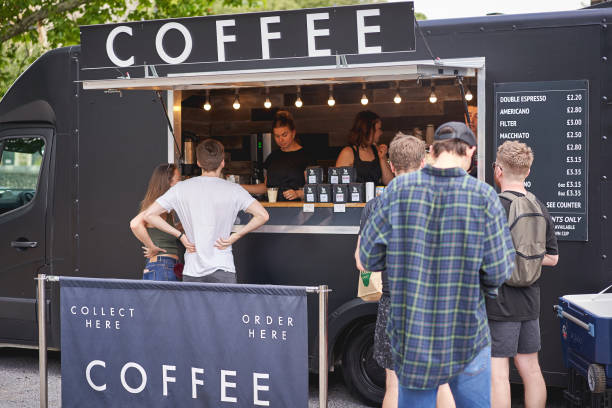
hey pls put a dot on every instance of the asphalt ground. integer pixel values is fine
(20, 386)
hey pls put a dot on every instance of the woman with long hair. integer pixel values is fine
(363, 151)
(163, 251)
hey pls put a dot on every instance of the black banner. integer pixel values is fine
(312, 36)
(160, 344)
(551, 117)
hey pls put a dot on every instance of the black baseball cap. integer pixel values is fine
(455, 130)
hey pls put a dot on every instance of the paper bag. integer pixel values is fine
(370, 286)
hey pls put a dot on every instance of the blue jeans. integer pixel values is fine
(160, 270)
(471, 388)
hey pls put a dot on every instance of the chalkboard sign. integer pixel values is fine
(551, 117)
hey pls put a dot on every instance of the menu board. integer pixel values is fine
(552, 118)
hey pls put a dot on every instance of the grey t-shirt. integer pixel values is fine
(207, 208)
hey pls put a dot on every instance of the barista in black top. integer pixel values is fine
(363, 153)
(285, 167)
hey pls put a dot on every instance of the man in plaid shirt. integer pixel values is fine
(442, 237)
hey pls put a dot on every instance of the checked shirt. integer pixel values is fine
(442, 237)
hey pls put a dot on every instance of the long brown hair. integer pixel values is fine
(364, 124)
(158, 185)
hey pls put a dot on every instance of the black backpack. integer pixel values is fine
(528, 229)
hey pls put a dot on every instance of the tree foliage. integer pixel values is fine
(28, 28)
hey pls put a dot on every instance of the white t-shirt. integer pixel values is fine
(207, 208)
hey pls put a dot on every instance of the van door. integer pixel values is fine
(24, 181)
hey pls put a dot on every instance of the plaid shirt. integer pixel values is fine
(442, 237)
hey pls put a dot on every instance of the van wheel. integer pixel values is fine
(596, 376)
(362, 374)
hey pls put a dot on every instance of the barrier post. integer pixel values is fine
(42, 340)
(323, 364)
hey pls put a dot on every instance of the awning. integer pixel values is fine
(336, 74)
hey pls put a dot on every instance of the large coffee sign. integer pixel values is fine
(309, 34)
(131, 343)
(551, 117)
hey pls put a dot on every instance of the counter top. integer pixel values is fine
(300, 204)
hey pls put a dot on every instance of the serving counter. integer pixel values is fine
(309, 218)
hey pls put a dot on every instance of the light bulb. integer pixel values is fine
(397, 98)
(176, 108)
(432, 96)
(207, 104)
(236, 104)
(267, 103)
(298, 102)
(331, 101)
(469, 96)
(364, 99)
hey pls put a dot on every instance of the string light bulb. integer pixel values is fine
(298, 101)
(468, 95)
(364, 97)
(207, 106)
(433, 98)
(236, 104)
(267, 103)
(397, 98)
(331, 101)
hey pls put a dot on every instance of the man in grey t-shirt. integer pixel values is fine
(207, 207)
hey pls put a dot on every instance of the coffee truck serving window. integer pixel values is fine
(241, 118)
(20, 161)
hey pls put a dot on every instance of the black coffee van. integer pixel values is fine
(83, 127)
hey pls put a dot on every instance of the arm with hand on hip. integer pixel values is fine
(152, 215)
(260, 217)
(139, 229)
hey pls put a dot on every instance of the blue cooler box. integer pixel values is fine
(586, 337)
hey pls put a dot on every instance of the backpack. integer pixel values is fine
(528, 229)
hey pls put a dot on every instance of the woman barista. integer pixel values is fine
(369, 160)
(285, 167)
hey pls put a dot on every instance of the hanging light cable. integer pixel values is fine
(331, 101)
(433, 98)
(207, 106)
(267, 103)
(298, 101)
(236, 104)
(364, 96)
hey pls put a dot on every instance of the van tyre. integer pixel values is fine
(362, 374)
(596, 376)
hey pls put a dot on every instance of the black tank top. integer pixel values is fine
(367, 170)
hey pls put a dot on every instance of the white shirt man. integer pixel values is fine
(207, 207)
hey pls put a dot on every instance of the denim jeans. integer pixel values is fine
(160, 270)
(471, 388)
